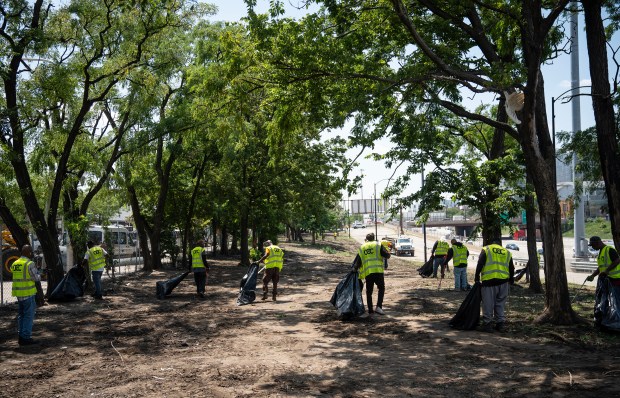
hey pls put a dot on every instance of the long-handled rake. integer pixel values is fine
(578, 291)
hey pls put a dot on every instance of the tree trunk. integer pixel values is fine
(539, 157)
(141, 228)
(17, 232)
(224, 241)
(245, 251)
(602, 103)
(533, 264)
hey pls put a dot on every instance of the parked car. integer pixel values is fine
(512, 246)
(404, 246)
(358, 224)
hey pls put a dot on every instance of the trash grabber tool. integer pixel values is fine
(579, 290)
(261, 270)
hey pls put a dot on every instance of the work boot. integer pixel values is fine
(23, 341)
(265, 294)
(273, 298)
(487, 327)
(501, 327)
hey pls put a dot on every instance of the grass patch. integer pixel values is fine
(329, 250)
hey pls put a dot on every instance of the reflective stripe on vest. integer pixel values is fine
(459, 255)
(96, 260)
(197, 264)
(372, 262)
(603, 260)
(23, 286)
(442, 248)
(275, 258)
(497, 264)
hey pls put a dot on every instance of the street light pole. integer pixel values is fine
(375, 186)
(579, 223)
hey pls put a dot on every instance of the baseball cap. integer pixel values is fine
(594, 239)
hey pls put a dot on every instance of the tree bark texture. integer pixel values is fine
(606, 128)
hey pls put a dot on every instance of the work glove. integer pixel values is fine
(590, 278)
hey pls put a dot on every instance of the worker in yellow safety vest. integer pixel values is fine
(26, 281)
(439, 253)
(200, 268)
(458, 254)
(95, 259)
(273, 259)
(495, 269)
(388, 247)
(607, 260)
(369, 263)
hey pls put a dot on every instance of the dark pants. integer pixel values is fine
(271, 275)
(97, 282)
(25, 317)
(371, 280)
(201, 281)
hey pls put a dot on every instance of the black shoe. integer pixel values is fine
(99, 297)
(202, 295)
(501, 327)
(487, 328)
(30, 341)
(264, 296)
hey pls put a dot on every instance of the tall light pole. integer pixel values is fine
(376, 229)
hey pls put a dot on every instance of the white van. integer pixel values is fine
(124, 245)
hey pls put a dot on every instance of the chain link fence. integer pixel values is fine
(117, 267)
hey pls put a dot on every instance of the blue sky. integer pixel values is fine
(557, 80)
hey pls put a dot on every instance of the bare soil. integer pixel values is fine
(133, 345)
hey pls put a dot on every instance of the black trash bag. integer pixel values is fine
(347, 297)
(164, 288)
(247, 287)
(427, 269)
(468, 314)
(519, 274)
(71, 286)
(607, 305)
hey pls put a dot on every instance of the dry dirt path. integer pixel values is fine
(133, 345)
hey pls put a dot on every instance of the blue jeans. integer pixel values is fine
(460, 278)
(97, 282)
(437, 262)
(25, 317)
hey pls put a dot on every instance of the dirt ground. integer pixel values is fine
(133, 345)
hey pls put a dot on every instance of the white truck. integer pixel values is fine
(404, 245)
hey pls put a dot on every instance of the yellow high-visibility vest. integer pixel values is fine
(23, 285)
(442, 248)
(603, 260)
(197, 263)
(372, 262)
(497, 264)
(96, 259)
(459, 255)
(275, 259)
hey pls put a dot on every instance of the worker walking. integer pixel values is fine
(25, 285)
(369, 262)
(95, 259)
(200, 268)
(439, 253)
(495, 269)
(273, 259)
(458, 254)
